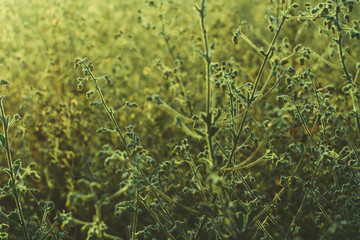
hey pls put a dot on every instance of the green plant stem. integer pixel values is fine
(155, 217)
(302, 120)
(171, 51)
(203, 220)
(257, 80)
(12, 176)
(117, 128)
(105, 235)
(347, 136)
(206, 56)
(135, 215)
(320, 108)
(49, 231)
(347, 74)
(260, 225)
(107, 109)
(209, 87)
(47, 219)
(305, 196)
(318, 164)
(271, 74)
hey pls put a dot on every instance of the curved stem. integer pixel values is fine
(347, 73)
(257, 80)
(117, 128)
(12, 175)
(107, 109)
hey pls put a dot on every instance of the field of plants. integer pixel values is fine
(188, 119)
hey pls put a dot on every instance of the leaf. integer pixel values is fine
(199, 132)
(6, 120)
(3, 235)
(14, 216)
(233, 133)
(49, 205)
(4, 82)
(2, 140)
(16, 166)
(242, 96)
(213, 45)
(217, 117)
(6, 170)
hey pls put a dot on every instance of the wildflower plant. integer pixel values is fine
(19, 188)
(192, 119)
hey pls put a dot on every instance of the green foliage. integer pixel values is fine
(196, 119)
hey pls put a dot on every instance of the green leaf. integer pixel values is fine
(218, 115)
(3, 227)
(242, 96)
(3, 236)
(14, 216)
(2, 140)
(233, 133)
(6, 170)
(16, 166)
(4, 82)
(6, 120)
(199, 132)
(49, 205)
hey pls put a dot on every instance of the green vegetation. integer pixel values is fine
(193, 119)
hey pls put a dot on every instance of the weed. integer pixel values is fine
(196, 120)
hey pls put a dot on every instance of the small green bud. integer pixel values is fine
(291, 70)
(93, 103)
(3, 227)
(235, 39)
(91, 66)
(337, 9)
(80, 87)
(89, 93)
(217, 84)
(302, 61)
(4, 82)
(17, 117)
(77, 62)
(130, 105)
(271, 28)
(157, 99)
(108, 80)
(101, 130)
